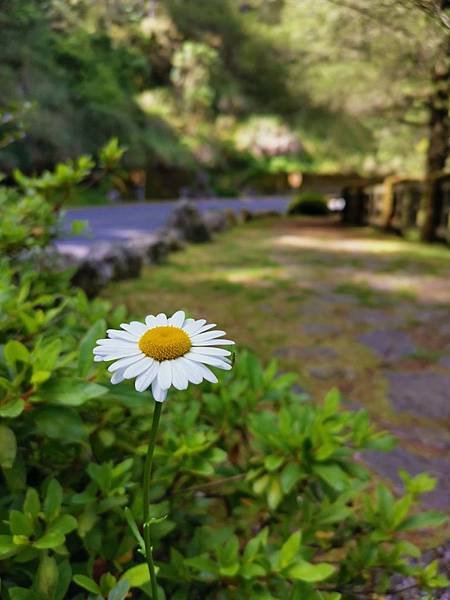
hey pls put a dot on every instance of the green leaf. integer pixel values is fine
(119, 591)
(272, 462)
(201, 563)
(229, 570)
(60, 423)
(39, 377)
(53, 500)
(259, 541)
(136, 576)
(32, 504)
(385, 506)
(20, 524)
(333, 475)
(86, 583)
(311, 573)
(15, 352)
(102, 475)
(228, 553)
(7, 546)
(289, 550)
(401, 510)
(274, 494)
(420, 484)
(290, 476)
(331, 403)
(424, 520)
(47, 575)
(78, 226)
(85, 357)
(260, 484)
(12, 409)
(252, 571)
(18, 593)
(46, 356)
(56, 532)
(64, 579)
(71, 392)
(8, 447)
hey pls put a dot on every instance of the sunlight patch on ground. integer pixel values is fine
(352, 245)
(426, 289)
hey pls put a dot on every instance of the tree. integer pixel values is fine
(439, 121)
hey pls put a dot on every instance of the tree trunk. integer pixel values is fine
(438, 145)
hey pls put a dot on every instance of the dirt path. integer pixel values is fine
(377, 324)
(366, 312)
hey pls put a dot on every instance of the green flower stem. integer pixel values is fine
(146, 486)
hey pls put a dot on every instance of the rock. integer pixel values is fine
(424, 394)
(216, 220)
(444, 361)
(401, 458)
(389, 345)
(173, 238)
(232, 217)
(124, 261)
(246, 215)
(92, 276)
(106, 262)
(153, 249)
(188, 220)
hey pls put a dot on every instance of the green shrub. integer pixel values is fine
(309, 203)
(256, 491)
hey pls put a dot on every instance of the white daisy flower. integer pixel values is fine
(163, 352)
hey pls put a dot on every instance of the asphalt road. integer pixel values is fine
(123, 222)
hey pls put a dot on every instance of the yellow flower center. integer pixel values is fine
(165, 343)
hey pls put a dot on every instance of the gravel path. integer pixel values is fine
(123, 222)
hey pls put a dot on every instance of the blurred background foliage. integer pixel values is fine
(224, 86)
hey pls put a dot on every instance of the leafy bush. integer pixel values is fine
(257, 491)
(309, 203)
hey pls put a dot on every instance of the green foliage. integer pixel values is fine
(175, 90)
(308, 203)
(256, 489)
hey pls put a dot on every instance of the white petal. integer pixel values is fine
(119, 334)
(205, 337)
(188, 322)
(207, 373)
(165, 374)
(208, 360)
(124, 362)
(99, 358)
(145, 379)
(206, 328)
(190, 369)
(192, 328)
(179, 378)
(158, 393)
(116, 348)
(210, 351)
(177, 319)
(112, 355)
(220, 342)
(138, 367)
(150, 321)
(117, 377)
(161, 320)
(108, 344)
(135, 327)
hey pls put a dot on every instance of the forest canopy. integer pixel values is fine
(221, 85)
